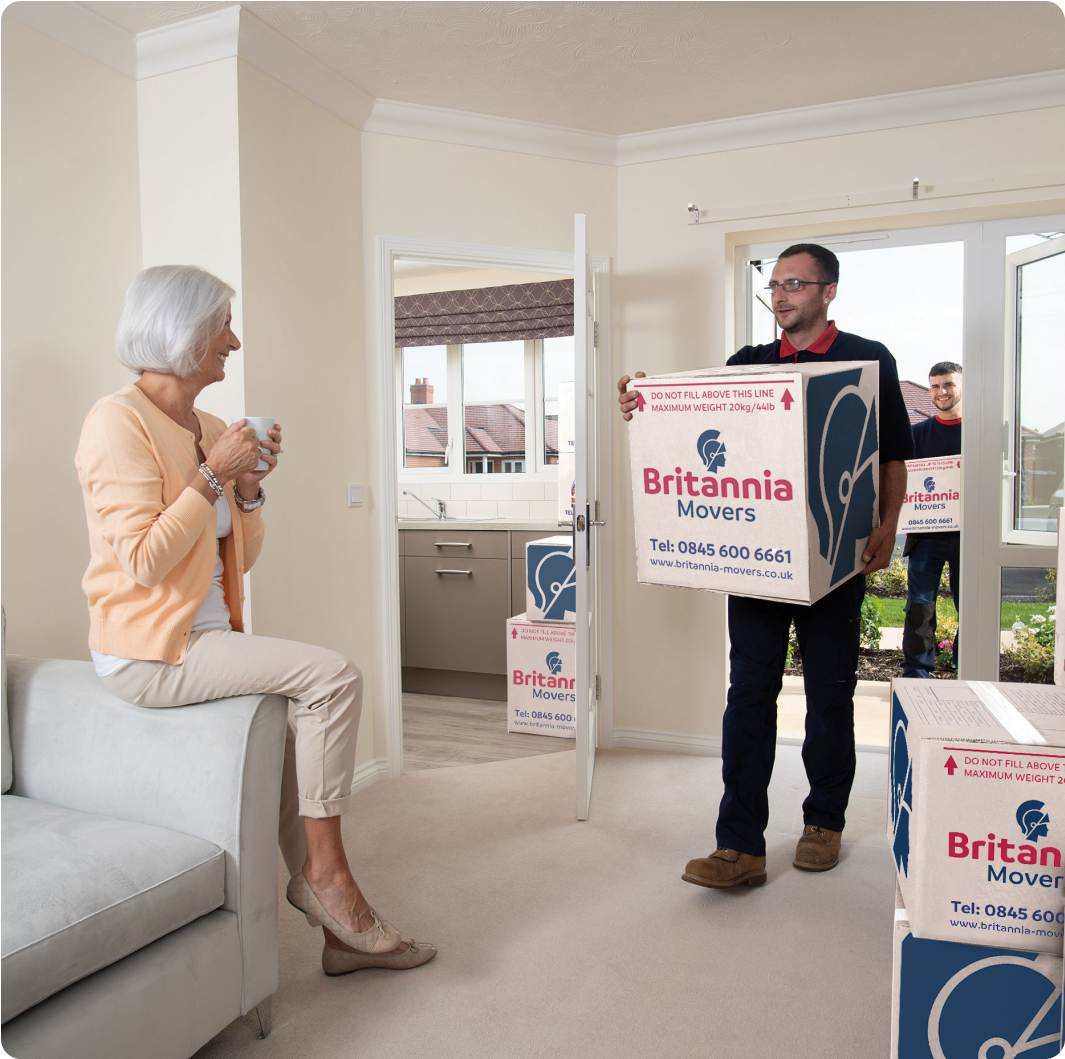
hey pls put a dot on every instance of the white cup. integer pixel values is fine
(261, 425)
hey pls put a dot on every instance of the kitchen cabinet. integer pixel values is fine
(457, 588)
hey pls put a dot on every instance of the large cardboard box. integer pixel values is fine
(952, 1001)
(933, 496)
(567, 486)
(550, 580)
(757, 480)
(541, 678)
(977, 810)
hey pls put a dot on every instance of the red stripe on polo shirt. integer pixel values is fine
(819, 345)
(949, 422)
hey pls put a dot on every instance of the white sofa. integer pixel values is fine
(139, 869)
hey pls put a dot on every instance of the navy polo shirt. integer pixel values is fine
(937, 437)
(896, 439)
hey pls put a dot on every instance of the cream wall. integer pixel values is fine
(300, 213)
(672, 298)
(190, 191)
(70, 245)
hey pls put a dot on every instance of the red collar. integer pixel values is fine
(819, 345)
(949, 422)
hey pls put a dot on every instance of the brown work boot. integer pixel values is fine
(818, 849)
(725, 868)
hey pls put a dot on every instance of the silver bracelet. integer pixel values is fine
(212, 481)
(249, 505)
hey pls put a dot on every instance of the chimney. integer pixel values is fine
(421, 392)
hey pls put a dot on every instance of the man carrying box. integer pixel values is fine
(803, 285)
(939, 435)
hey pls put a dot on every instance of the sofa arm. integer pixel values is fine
(212, 770)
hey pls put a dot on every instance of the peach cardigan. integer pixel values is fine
(152, 537)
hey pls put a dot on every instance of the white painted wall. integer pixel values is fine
(300, 210)
(71, 244)
(188, 140)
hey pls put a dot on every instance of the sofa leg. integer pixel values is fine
(266, 1021)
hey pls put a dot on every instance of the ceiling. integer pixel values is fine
(629, 67)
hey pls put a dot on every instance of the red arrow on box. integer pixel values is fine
(951, 765)
(788, 400)
(640, 402)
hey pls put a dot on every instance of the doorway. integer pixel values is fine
(452, 469)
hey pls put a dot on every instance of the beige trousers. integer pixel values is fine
(325, 688)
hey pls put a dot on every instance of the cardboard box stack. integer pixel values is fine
(541, 643)
(756, 480)
(977, 827)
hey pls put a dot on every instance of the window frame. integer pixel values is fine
(455, 469)
(1011, 411)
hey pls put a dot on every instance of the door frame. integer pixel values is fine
(472, 255)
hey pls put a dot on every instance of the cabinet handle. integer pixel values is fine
(466, 572)
(452, 544)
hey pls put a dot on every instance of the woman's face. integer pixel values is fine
(212, 365)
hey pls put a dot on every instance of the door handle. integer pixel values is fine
(467, 573)
(597, 522)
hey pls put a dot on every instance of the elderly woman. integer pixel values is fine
(174, 508)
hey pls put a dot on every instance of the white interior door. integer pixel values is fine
(586, 521)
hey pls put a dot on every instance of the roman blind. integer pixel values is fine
(492, 314)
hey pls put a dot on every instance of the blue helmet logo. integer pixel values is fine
(554, 662)
(711, 450)
(553, 582)
(1033, 821)
(842, 443)
(929, 484)
(965, 1001)
(901, 789)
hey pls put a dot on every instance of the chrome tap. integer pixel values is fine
(438, 513)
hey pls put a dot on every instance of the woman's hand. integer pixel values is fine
(235, 453)
(248, 483)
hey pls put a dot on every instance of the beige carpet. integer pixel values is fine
(560, 938)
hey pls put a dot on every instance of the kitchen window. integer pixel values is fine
(481, 408)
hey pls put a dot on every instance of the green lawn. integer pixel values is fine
(892, 615)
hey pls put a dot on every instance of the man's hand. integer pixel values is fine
(877, 554)
(878, 551)
(627, 398)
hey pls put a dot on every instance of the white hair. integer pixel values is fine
(168, 315)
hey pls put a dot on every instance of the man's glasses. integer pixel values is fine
(795, 284)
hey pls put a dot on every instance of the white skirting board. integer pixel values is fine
(675, 742)
(369, 773)
(701, 745)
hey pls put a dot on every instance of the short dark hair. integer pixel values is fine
(944, 367)
(827, 262)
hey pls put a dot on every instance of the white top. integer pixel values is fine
(214, 614)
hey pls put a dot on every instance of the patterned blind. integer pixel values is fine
(491, 314)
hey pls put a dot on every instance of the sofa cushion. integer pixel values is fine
(82, 891)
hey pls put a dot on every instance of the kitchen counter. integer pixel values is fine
(523, 525)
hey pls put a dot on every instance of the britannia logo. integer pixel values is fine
(929, 485)
(554, 662)
(1033, 821)
(711, 450)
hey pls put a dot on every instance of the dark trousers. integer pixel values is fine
(828, 639)
(927, 557)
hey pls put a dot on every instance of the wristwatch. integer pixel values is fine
(249, 505)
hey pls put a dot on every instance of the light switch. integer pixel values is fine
(354, 494)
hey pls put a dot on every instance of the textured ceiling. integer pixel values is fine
(628, 67)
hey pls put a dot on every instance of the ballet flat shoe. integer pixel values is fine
(381, 937)
(336, 962)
